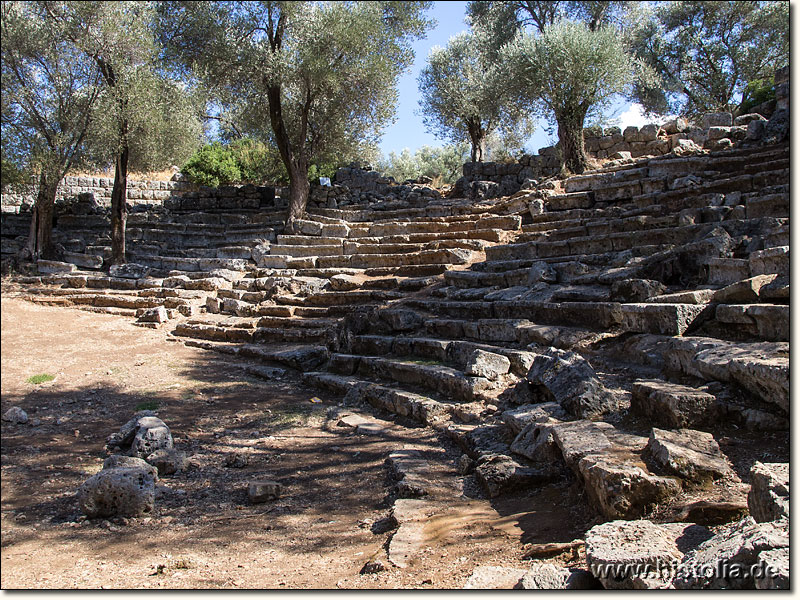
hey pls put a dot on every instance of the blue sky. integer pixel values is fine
(408, 130)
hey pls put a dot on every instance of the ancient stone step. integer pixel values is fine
(761, 368)
(448, 382)
(398, 401)
(455, 353)
(310, 250)
(353, 297)
(456, 256)
(299, 357)
(257, 335)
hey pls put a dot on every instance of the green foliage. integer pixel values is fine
(147, 405)
(212, 165)
(569, 71)
(11, 175)
(443, 162)
(704, 53)
(321, 74)
(41, 378)
(465, 95)
(757, 92)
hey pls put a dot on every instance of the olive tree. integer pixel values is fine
(50, 91)
(465, 96)
(322, 74)
(145, 120)
(568, 73)
(705, 53)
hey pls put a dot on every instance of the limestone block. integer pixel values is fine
(118, 491)
(672, 405)
(747, 119)
(738, 546)
(262, 490)
(129, 271)
(721, 119)
(743, 292)
(768, 499)
(614, 548)
(487, 364)
(167, 461)
(156, 314)
(568, 378)
(494, 578)
(15, 415)
(500, 473)
(693, 455)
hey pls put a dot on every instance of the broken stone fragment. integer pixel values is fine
(151, 434)
(694, 455)
(15, 415)
(672, 405)
(168, 462)
(118, 491)
(157, 314)
(344, 283)
(500, 473)
(568, 378)
(621, 553)
(262, 490)
(494, 578)
(768, 498)
(547, 576)
(726, 560)
(487, 364)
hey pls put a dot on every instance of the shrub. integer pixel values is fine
(213, 165)
(41, 378)
(757, 92)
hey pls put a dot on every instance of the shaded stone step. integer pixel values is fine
(455, 256)
(761, 368)
(450, 383)
(340, 298)
(769, 322)
(302, 357)
(86, 261)
(311, 250)
(249, 335)
(456, 353)
(420, 408)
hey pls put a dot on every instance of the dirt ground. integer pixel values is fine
(204, 533)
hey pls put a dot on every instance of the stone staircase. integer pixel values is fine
(594, 330)
(650, 294)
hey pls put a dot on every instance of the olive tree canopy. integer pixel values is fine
(144, 120)
(705, 53)
(465, 95)
(568, 73)
(49, 96)
(322, 74)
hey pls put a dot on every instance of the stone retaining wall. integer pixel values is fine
(94, 193)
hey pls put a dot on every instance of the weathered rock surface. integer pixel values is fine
(694, 455)
(168, 461)
(409, 469)
(725, 561)
(118, 491)
(487, 364)
(500, 473)
(568, 378)
(547, 576)
(494, 578)
(672, 405)
(768, 499)
(263, 490)
(15, 415)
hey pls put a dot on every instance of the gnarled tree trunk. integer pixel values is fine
(119, 211)
(477, 137)
(40, 237)
(570, 139)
